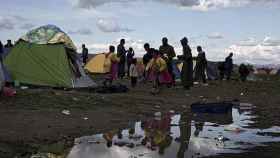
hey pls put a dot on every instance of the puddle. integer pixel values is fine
(181, 136)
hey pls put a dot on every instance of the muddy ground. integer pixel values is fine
(32, 121)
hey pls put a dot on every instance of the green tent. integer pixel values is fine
(46, 56)
(35, 64)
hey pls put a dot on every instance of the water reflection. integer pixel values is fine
(182, 136)
(185, 134)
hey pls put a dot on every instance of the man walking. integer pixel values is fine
(84, 54)
(121, 53)
(229, 66)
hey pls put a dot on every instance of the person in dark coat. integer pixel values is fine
(187, 70)
(149, 54)
(201, 65)
(147, 57)
(129, 58)
(168, 54)
(84, 53)
(221, 68)
(244, 72)
(229, 66)
(1, 51)
(121, 53)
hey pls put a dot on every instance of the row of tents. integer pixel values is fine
(46, 56)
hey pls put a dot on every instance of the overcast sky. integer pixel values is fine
(249, 28)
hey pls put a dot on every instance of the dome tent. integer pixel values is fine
(96, 64)
(46, 56)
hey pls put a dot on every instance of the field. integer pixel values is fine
(32, 120)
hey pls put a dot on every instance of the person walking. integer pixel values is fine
(147, 58)
(129, 58)
(84, 54)
(1, 52)
(187, 69)
(133, 72)
(221, 68)
(201, 65)
(168, 53)
(158, 72)
(228, 66)
(121, 53)
(111, 67)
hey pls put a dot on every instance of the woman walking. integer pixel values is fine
(187, 70)
(111, 66)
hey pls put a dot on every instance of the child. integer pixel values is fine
(133, 72)
(111, 66)
(158, 72)
(129, 58)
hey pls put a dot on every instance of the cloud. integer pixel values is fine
(262, 52)
(194, 4)
(18, 18)
(95, 3)
(110, 25)
(10, 22)
(269, 41)
(6, 24)
(98, 47)
(27, 26)
(83, 31)
(136, 44)
(248, 42)
(215, 35)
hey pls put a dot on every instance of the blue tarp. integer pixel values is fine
(176, 71)
(211, 107)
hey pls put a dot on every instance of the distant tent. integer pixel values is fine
(46, 56)
(96, 64)
(278, 72)
(213, 70)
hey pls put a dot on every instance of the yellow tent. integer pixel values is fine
(96, 64)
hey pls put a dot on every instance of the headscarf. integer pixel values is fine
(184, 41)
